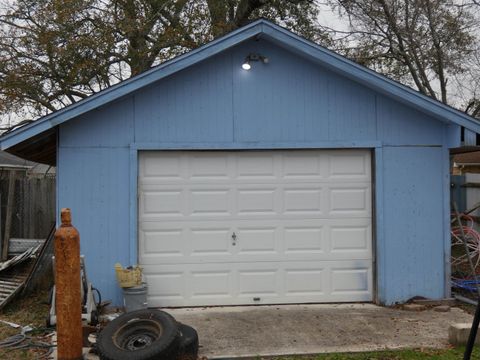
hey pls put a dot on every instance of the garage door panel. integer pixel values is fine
(165, 242)
(161, 203)
(350, 201)
(268, 240)
(210, 202)
(210, 241)
(349, 166)
(168, 286)
(208, 166)
(212, 283)
(304, 166)
(257, 241)
(307, 201)
(255, 166)
(351, 281)
(284, 201)
(228, 228)
(307, 282)
(257, 201)
(269, 283)
(156, 167)
(259, 282)
(350, 238)
(304, 239)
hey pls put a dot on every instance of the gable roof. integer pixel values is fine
(263, 29)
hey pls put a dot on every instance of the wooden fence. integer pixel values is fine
(33, 211)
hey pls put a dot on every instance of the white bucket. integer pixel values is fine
(135, 298)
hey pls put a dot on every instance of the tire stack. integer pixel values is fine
(147, 335)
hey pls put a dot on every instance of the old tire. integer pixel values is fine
(188, 342)
(140, 335)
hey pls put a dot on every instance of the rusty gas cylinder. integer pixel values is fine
(68, 306)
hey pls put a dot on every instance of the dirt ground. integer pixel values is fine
(31, 310)
(282, 329)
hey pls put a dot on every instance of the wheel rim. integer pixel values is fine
(137, 334)
(137, 342)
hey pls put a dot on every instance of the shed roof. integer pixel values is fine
(12, 161)
(28, 138)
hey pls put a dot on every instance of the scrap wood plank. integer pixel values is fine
(13, 280)
(43, 264)
(19, 258)
(17, 246)
(20, 270)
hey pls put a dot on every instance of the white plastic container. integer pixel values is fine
(135, 298)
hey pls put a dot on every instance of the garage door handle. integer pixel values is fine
(234, 239)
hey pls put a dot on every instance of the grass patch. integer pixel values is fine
(31, 310)
(420, 354)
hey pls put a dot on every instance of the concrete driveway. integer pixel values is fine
(231, 332)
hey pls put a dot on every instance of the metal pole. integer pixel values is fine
(473, 334)
(68, 305)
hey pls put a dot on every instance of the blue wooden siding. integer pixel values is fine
(411, 254)
(94, 184)
(216, 104)
(470, 138)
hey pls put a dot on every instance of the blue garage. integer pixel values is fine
(258, 169)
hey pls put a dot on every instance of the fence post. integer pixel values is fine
(8, 214)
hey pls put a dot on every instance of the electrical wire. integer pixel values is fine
(97, 303)
(23, 342)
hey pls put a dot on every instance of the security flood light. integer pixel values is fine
(254, 57)
(246, 65)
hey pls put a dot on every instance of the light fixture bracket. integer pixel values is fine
(254, 57)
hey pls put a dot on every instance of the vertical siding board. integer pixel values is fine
(284, 100)
(352, 111)
(446, 214)
(470, 138)
(193, 105)
(133, 206)
(400, 125)
(93, 186)
(452, 136)
(412, 221)
(111, 125)
(380, 205)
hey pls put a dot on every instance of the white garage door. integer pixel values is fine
(247, 227)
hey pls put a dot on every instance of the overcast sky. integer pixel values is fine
(330, 18)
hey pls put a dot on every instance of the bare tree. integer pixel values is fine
(56, 52)
(427, 44)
